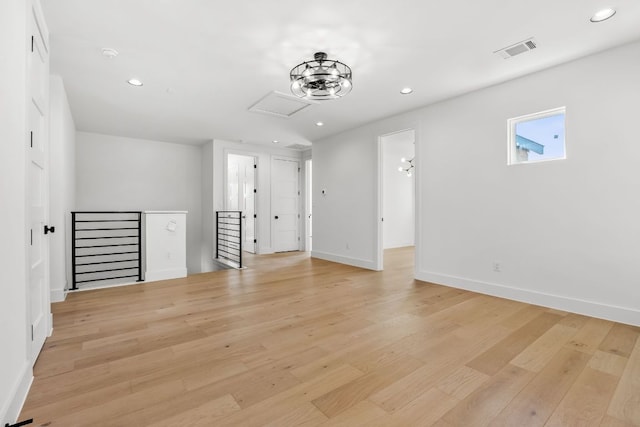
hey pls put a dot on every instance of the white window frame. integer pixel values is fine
(512, 158)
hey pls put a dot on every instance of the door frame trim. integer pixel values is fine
(307, 202)
(379, 232)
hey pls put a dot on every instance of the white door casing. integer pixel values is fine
(249, 206)
(285, 207)
(308, 206)
(37, 188)
(380, 184)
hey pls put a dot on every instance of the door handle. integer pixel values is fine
(276, 217)
(48, 229)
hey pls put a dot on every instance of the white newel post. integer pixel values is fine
(165, 245)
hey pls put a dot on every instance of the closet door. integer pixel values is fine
(39, 307)
(285, 206)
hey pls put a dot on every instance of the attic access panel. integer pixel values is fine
(279, 104)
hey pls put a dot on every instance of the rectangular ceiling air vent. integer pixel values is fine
(517, 49)
(279, 104)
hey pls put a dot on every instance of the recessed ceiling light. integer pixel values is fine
(109, 53)
(603, 15)
(134, 82)
(406, 91)
(275, 141)
(319, 124)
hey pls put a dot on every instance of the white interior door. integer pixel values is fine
(285, 205)
(38, 197)
(232, 202)
(249, 205)
(309, 206)
(241, 185)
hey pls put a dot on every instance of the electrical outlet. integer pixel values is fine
(497, 268)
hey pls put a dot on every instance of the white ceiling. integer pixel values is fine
(205, 62)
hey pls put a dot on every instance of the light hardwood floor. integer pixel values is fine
(298, 341)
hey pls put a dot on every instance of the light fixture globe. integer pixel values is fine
(321, 78)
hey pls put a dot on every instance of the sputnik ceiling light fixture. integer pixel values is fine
(321, 78)
(408, 169)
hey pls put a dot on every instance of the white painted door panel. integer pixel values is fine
(241, 195)
(38, 197)
(285, 205)
(309, 206)
(249, 207)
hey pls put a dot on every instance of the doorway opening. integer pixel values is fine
(396, 194)
(241, 196)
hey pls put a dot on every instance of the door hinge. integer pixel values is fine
(255, 190)
(255, 216)
(31, 237)
(32, 42)
(255, 166)
(255, 240)
(31, 332)
(31, 132)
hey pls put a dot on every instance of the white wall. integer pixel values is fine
(346, 217)
(62, 157)
(566, 233)
(117, 173)
(15, 370)
(208, 216)
(398, 190)
(264, 154)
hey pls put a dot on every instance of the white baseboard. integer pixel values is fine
(399, 245)
(589, 308)
(50, 319)
(58, 295)
(264, 250)
(17, 396)
(356, 262)
(173, 273)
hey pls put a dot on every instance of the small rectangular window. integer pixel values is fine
(537, 137)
